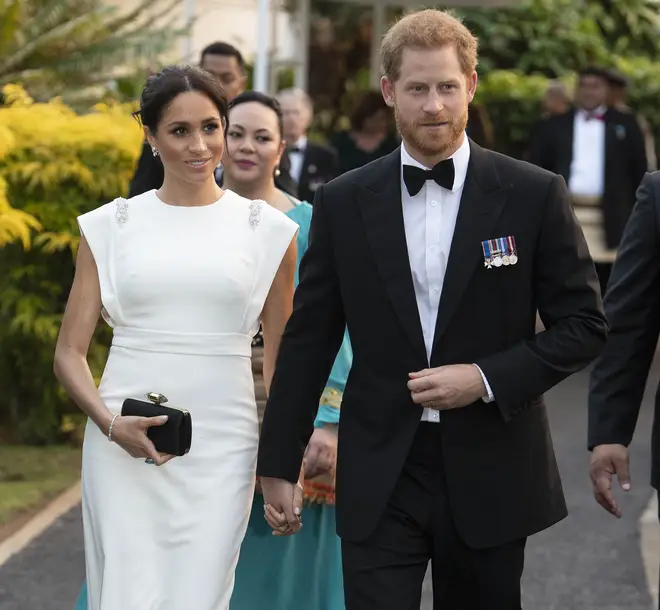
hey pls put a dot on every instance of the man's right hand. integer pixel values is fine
(606, 461)
(282, 505)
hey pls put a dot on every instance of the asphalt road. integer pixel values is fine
(590, 561)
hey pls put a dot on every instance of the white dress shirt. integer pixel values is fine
(587, 173)
(430, 218)
(297, 158)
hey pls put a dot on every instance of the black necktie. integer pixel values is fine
(295, 149)
(442, 173)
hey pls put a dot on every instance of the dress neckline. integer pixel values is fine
(189, 207)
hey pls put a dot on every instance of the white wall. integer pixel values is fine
(233, 21)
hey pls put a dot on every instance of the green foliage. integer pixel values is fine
(60, 165)
(513, 102)
(62, 47)
(553, 37)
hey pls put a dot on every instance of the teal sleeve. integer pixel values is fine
(302, 214)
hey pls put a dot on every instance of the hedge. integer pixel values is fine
(54, 165)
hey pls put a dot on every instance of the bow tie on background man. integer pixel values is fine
(442, 173)
(598, 116)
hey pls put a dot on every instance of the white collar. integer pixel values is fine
(301, 143)
(461, 159)
(599, 110)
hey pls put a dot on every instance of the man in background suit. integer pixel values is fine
(619, 376)
(312, 164)
(226, 63)
(601, 154)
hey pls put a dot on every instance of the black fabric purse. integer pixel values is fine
(175, 435)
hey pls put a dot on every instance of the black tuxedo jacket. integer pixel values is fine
(320, 165)
(502, 478)
(149, 174)
(551, 147)
(632, 305)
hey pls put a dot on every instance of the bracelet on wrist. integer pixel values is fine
(112, 423)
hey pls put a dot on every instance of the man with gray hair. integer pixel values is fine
(312, 164)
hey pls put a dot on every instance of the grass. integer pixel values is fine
(32, 476)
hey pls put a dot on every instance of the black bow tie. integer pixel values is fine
(295, 149)
(442, 173)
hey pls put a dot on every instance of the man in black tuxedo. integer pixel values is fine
(312, 164)
(619, 376)
(600, 152)
(226, 63)
(444, 446)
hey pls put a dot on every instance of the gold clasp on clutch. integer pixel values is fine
(156, 398)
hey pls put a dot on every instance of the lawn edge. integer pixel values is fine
(38, 524)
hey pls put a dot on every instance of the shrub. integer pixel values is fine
(55, 165)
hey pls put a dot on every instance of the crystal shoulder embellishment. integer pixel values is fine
(121, 215)
(255, 212)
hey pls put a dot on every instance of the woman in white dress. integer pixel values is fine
(185, 275)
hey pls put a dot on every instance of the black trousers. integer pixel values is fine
(386, 571)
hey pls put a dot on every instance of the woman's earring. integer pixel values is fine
(154, 151)
(277, 172)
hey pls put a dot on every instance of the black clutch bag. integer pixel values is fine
(175, 435)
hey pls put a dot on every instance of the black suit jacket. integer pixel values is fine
(551, 147)
(501, 473)
(632, 305)
(320, 165)
(149, 174)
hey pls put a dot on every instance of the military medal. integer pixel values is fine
(513, 252)
(497, 253)
(486, 250)
(504, 247)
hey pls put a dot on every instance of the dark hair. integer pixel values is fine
(163, 87)
(264, 100)
(225, 49)
(594, 71)
(370, 103)
(616, 79)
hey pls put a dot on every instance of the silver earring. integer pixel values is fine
(154, 151)
(277, 172)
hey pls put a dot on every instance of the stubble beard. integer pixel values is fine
(429, 144)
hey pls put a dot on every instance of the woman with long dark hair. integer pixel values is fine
(185, 275)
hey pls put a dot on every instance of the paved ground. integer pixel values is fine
(591, 561)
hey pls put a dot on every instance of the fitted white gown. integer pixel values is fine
(183, 289)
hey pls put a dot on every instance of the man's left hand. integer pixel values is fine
(447, 387)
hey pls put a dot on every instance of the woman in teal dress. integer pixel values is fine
(301, 572)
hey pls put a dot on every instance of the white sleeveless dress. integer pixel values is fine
(183, 289)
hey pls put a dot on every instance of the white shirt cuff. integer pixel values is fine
(490, 397)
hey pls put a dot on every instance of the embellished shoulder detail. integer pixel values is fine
(255, 211)
(121, 213)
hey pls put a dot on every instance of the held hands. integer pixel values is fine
(606, 461)
(447, 387)
(282, 505)
(130, 433)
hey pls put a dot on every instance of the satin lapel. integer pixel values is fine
(565, 152)
(382, 212)
(481, 204)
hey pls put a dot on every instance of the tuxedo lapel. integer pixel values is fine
(304, 173)
(382, 212)
(565, 152)
(481, 203)
(612, 142)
